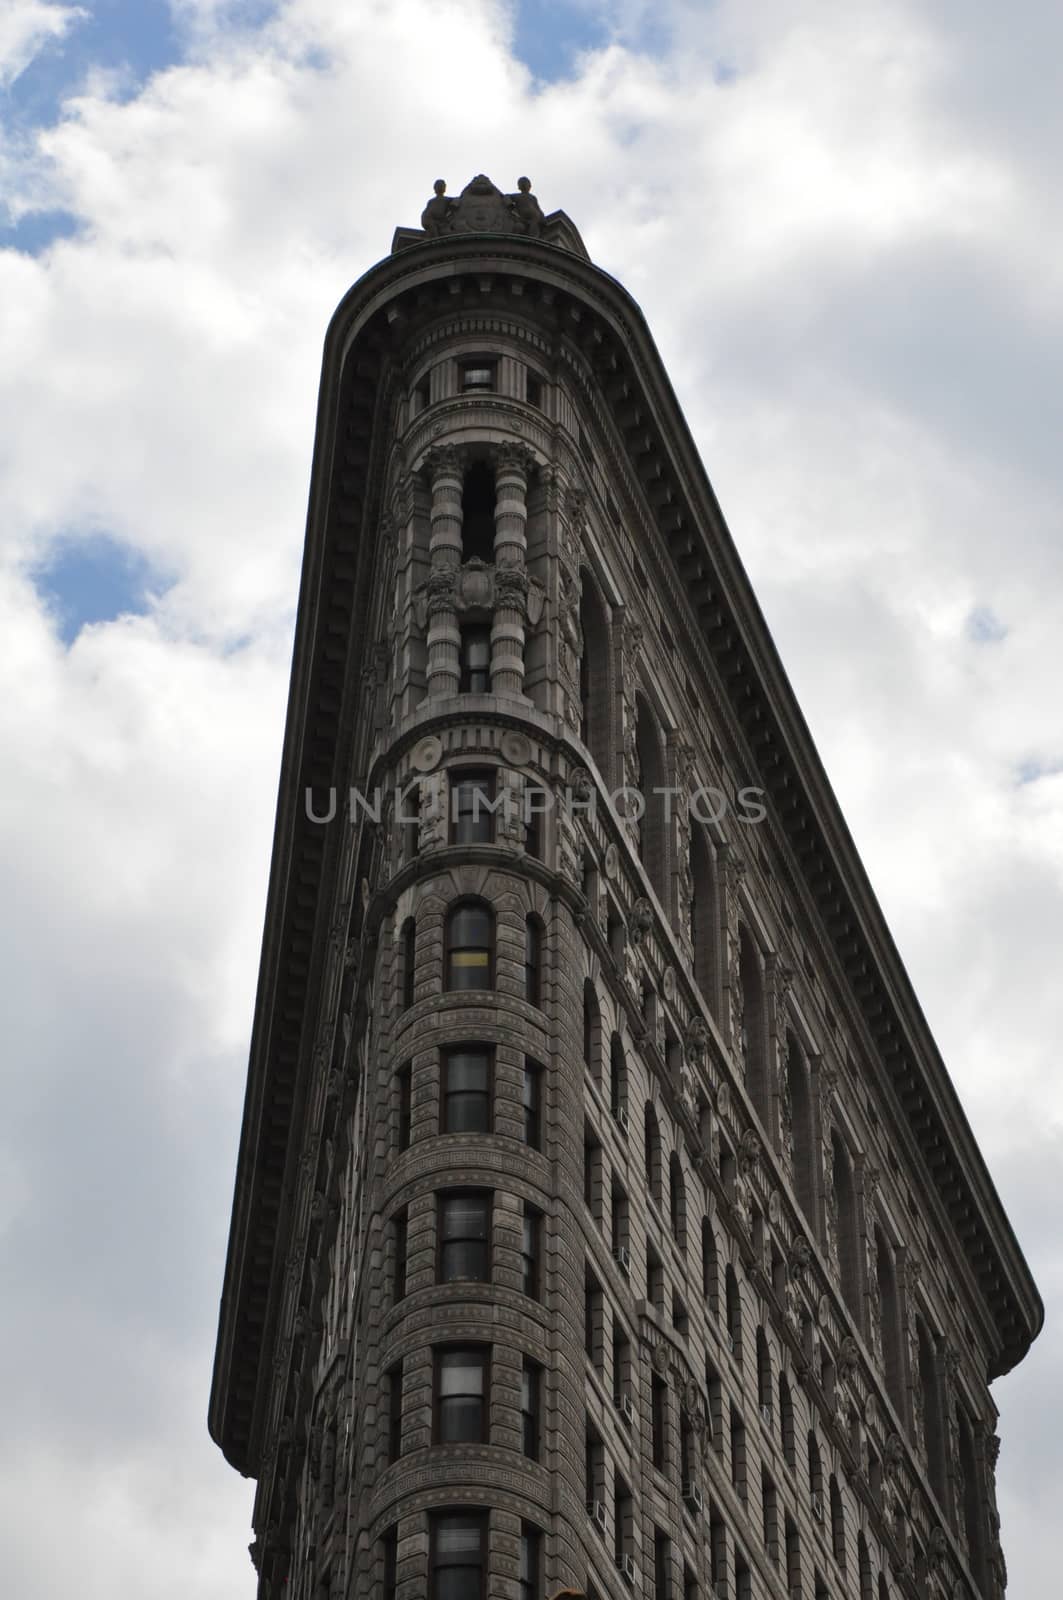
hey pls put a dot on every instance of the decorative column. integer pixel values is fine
(826, 1080)
(912, 1271)
(948, 1370)
(779, 980)
(986, 1453)
(868, 1181)
(628, 637)
(444, 640)
(570, 640)
(734, 869)
(513, 463)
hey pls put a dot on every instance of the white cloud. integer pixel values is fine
(25, 27)
(850, 263)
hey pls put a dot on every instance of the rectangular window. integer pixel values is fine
(405, 1076)
(738, 1454)
(456, 1549)
(533, 953)
(399, 1227)
(593, 1320)
(394, 1377)
(389, 1549)
(461, 1390)
(659, 1422)
(593, 1168)
(619, 1216)
(478, 374)
(531, 1375)
(466, 1082)
(532, 1098)
(464, 1230)
(623, 1519)
(654, 1279)
(533, 388)
(531, 1560)
(594, 1469)
(530, 1249)
(662, 1566)
(474, 673)
(472, 801)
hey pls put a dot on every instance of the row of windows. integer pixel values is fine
(457, 1557)
(466, 1095)
(843, 1200)
(464, 1220)
(461, 1390)
(469, 952)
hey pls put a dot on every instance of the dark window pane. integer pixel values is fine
(469, 940)
(532, 1099)
(471, 815)
(475, 664)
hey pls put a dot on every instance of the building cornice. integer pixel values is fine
(591, 309)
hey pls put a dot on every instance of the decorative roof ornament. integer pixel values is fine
(482, 207)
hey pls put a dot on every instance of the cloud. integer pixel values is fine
(845, 236)
(26, 26)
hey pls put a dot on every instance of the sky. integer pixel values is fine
(844, 226)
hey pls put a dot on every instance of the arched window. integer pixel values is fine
(409, 961)
(652, 836)
(704, 929)
(890, 1312)
(932, 1421)
(734, 1311)
(478, 513)
(883, 1587)
(592, 1029)
(652, 1151)
(786, 1423)
(533, 954)
(837, 1522)
(677, 1201)
(710, 1270)
(754, 1052)
(765, 1393)
(470, 941)
(848, 1235)
(618, 1081)
(801, 1126)
(594, 674)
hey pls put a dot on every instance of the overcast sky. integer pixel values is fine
(843, 224)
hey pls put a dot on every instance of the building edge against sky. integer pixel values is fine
(605, 1216)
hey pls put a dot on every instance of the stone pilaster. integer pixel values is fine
(444, 640)
(513, 465)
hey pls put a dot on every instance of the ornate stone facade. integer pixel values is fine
(501, 1149)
